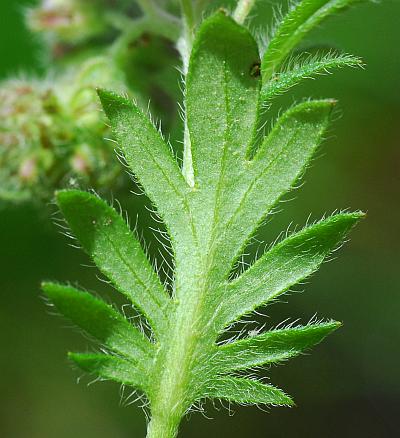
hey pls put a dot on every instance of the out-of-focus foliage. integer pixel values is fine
(52, 131)
(69, 21)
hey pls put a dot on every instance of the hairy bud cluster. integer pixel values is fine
(69, 21)
(52, 132)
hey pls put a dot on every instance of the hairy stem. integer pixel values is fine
(170, 401)
(185, 47)
(157, 21)
(187, 167)
(188, 17)
(189, 24)
(242, 10)
(162, 425)
(200, 7)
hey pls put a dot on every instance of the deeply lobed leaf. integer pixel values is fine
(210, 215)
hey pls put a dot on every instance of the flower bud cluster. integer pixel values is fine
(68, 21)
(52, 132)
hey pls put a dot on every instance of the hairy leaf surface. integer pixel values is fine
(308, 69)
(247, 391)
(276, 166)
(302, 17)
(221, 100)
(228, 184)
(150, 159)
(111, 368)
(285, 265)
(271, 346)
(99, 320)
(105, 236)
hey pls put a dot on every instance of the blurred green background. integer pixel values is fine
(349, 386)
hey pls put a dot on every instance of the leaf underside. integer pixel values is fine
(210, 220)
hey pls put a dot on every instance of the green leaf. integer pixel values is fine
(150, 160)
(221, 100)
(286, 264)
(230, 180)
(100, 321)
(277, 165)
(247, 391)
(298, 22)
(305, 69)
(271, 346)
(106, 237)
(111, 368)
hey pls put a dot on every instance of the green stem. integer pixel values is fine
(162, 425)
(187, 167)
(133, 30)
(199, 7)
(169, 402)
(158, 21)
(149, 7)
(189, 24)
(242, 10)
(185, 47)
(163, 25)
(188, 16)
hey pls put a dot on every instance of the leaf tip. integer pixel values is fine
(332, 326)
(65, 195)
(49, 288)
(72, 198)
(359, 214)
(83, 361)
(104, 95)
(111, 102)
(313, 110)
(287, 401)
(336, 324)
(72, 356)
(331, 101)
(44, 285)
(353, 218)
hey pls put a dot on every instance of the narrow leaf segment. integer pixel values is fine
(305, 69)
(247, 392)
(285, 265)
(111, 368)
(99, 320)
(106, 238)
(302, 17)
(271, 347)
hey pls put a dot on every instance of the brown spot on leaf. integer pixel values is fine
(255, 69)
